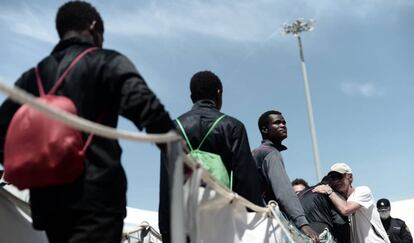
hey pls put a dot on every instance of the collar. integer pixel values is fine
(78, 40)
(279, 147)
(204, 104)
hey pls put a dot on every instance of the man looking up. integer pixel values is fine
(228, 139)
(276, 184)
(396, 229)
(92, 208)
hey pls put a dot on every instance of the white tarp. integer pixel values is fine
(15, 223)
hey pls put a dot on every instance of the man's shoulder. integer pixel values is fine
(233, 120)
(398, 221)
(227, 119)
(110, 53)
(362, 190)
(266, 152)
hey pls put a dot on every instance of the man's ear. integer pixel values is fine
(264, 130)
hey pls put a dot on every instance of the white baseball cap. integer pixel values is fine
(341, 168)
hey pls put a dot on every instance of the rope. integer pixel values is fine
(23, 97)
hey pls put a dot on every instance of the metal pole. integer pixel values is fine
(310, 113)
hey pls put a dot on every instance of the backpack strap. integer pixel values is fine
(63, 76)
(60, 81)
(184, 134)
(210, 130)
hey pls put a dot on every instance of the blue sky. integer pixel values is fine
(359, 60)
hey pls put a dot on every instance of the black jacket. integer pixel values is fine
(397, 230)
(229, 140)
(320, 210)
(103, 82)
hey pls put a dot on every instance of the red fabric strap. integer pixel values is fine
(63, 76)
(60, 81)
(66, 72)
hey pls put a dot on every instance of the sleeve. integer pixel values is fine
(282, 189)
(138, 103)
(405, 234)
(362, 196)
(246, 177)
(7, 110)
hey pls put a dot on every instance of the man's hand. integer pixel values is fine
(324, 189)
(307, 230)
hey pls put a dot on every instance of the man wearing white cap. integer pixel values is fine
(366, 224)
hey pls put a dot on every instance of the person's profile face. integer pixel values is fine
(276, 127)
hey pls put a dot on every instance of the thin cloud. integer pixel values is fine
(361, 89)
(235, 21)
(238, 21)
(29, 21)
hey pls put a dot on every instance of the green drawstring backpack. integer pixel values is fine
(210, 161)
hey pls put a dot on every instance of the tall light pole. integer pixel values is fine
(297, 27)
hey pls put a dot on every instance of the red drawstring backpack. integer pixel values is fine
(40, 151)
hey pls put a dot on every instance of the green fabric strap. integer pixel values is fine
(210, 130)
(205, 136)
(185, 135)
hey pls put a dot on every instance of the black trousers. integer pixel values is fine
(75, 226)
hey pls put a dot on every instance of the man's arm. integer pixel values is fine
(137, 102)
(344, 207)
(282, 188)
(285, 196)
(405, 234)
(246, 177)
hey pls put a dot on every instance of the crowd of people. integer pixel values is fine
(92, 208)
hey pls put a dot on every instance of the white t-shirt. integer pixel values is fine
(366, 223)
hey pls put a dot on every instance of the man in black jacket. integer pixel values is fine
(322, 214)
(276, 184)
(397, 230)
(92, 208)
(228, 139)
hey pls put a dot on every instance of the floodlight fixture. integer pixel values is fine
(298, 26)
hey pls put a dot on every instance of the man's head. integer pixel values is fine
(272, 126)
(299, 185)
(340, 178)
(205, 85)
(82, 18)
(384, 208)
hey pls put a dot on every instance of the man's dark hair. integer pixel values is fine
(264, 118)
(334, 179)
(204, 85)
(300, 181)
(78, 16)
